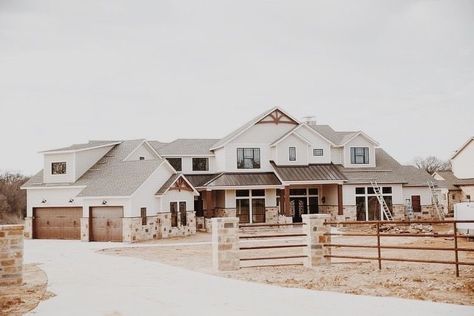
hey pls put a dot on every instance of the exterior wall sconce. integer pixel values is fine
(323, 200)
(71, 200)
(43, 201)
(104, 202)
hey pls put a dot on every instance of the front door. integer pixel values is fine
(298, 207)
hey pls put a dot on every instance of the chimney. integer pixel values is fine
(310, 120)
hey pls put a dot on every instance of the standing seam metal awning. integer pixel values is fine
(313, 172)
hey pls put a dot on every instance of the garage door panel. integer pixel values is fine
(57, 223)
(106, 223)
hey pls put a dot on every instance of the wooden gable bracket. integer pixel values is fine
(277, 117)
(181, 185)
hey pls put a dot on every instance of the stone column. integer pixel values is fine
(85, 229)
(225, 244)
(28, 232)
(11, 255)
(315, 229)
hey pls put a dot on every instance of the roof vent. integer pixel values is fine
(310, 120)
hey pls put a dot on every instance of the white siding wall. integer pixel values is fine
(187, 164)
(53, 197)
(59, 178)
(175, 196)
(230, 199)
(359, 141)
(423, 192)
(282, 151)
(87, 158)
(463, 163)
(337, 155)
(348, 193)
(317, 142)
(145, 195)
(270, 197)
(142, 151)
(126, 203)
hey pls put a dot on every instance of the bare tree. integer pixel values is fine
(12, 198)
(431, 164)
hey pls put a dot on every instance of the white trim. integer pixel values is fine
(255, 121)
(105, 197)
(66, 151)
(149, 147)
(319, 134)
(462, 148)
(292, 132)
(245, 187)
(180, 175)
(187, 155)
(314, 182)
(56, 187)
(361, 133)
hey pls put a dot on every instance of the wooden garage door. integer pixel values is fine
(106, 223)
(57, 223)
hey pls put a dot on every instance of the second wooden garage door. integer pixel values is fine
(106, 223)
(57, 222)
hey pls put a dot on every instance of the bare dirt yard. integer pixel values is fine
(433, 282)
(18, 300)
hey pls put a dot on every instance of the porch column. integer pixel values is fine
(207, 203)
(340, 210)
(285, 197)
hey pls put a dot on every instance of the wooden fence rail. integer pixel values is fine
(455, 249)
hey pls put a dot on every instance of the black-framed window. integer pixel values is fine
(174, 214)
(176, 163)
(292, 153)
(182, 213)
(200, 164)
(58, 167)
(359, 155)
(141, 158)
(318, 152)
(248, 158)
(143, 215)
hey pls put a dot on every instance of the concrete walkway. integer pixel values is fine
(90, 283)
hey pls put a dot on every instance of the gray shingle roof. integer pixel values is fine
(90, 144)
(243, 179)
(168, 183)
(451, 181)
(328, 132)
(187, 147)
(316, 172)
(110, 176)
(388, 170)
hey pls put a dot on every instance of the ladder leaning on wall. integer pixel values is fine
(409, 208)
(377, 190)
(434, 198)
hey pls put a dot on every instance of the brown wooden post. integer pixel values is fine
(378, 246)
(286, 203)
(456, 258)
(207, 203)
(340, 210)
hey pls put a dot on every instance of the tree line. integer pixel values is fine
(12, 198)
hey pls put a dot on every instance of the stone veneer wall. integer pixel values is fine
(225, 244)
(225, 212)
(166, 231)
(271, 215)
(28, 230)
(11, 254)
(329, 209)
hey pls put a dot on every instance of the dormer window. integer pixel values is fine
(292, 153)
(359, 155)
(200, 164)
(58, 167)
(176, 163)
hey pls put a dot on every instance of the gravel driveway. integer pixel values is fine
(90, 283)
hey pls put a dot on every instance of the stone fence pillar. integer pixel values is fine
(11, 255)
(225, 244)
(315, 229)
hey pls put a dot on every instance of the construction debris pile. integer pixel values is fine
(407, 229)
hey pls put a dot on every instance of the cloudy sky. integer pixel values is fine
(70, 71)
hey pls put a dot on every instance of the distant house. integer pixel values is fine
(457, 185)
(272, 169)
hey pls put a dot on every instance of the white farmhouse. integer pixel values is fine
(272, 169)
(457, 184)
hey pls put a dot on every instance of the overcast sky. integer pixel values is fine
(70, 71)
